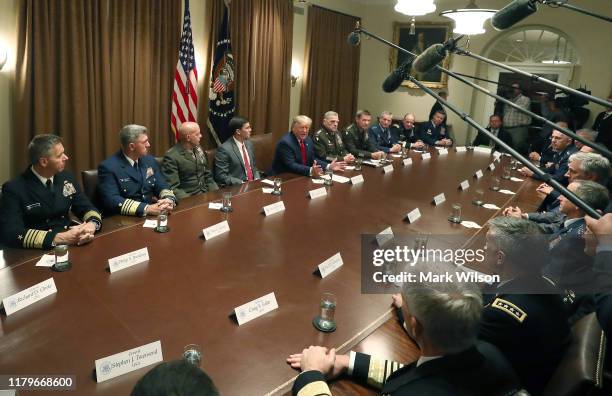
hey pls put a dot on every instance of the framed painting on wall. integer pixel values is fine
(425, 34)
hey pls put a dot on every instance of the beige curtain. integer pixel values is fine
(261, 35)
(87, 67)
(331, 66)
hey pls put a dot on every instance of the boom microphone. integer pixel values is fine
(354, 38)
(397, 76)
(435, 54)
(513, 13)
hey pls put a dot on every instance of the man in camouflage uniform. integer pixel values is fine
(328, 142)
(356, 140)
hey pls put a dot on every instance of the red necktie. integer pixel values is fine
(247, 165)
(303, 150)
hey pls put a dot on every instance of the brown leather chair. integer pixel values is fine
(264, 146)
(210, 157)
(90, 184)
(580, 371)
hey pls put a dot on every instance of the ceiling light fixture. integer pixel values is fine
(469, 20)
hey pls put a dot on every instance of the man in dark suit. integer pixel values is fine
(496, 128)
(407, 132)
(442, 318)
(432, 132)
(130, 181)
(383, 136)
(603, 125)
(438, 106)
(185, 166)
(524, 316)
(295, 152)
(36, 206)
(235, 159)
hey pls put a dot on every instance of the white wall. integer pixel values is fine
(8, 40)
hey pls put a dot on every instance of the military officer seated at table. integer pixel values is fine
(383, 136)
(130, 182)
(356, 138)
(235, 159)
(443, 319)
(433, 132)
(185, 166)
(407, 132)
(36, 206)
(328, 142)
(295, 152)
(496, 128)
(562, 147)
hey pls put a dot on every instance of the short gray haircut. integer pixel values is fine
(593, 164)
(41, 146)
(593, 194)
(130, 133)
(384, 113)
(448, 311)
(514, 237)
(301, 119)
(588, 134)
(330, 114)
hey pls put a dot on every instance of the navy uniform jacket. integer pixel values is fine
(382, 139)
(568, 265)
(288, 157)
(126, 190)
(531, 330)
(406, 135)
(31, 215)
(479, 370)
(429, 133)
(560, 164)
(229, 165)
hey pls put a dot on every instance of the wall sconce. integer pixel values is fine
(296, 71)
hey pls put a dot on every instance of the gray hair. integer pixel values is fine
(514, 237)
(41, 146)
(130, 133)
(330, 114)
(448, 311)
(300, 119)
(593, 164)
(588, 134)
(593, 194)
(384, 113)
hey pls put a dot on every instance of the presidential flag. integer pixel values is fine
(185, 96)
(221, 104)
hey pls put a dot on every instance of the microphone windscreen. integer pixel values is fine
(513, 13)
(429, 58)
(353, 39)
(393, 81)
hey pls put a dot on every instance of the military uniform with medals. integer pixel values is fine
(357, 142)
(33, 213)
(187, 171)
(560, 161)
(328, 145)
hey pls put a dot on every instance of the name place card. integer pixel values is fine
(128, 361)
(256, 308)
(330, 265)
(478, 174)
(318, 181)
(127, 260)
(47, 260)
(317, 193)
(460, 149)
(438, 199)
(492, 166)
(357, 179)
(442, 151)
(215, 230)
(274, 208)
(425, 156)
(507, 192)
(268, 181)
(491, 206)
(516, 179)
(464, 185)
(413, 215)
(485, 150)
(407, 161)
(388, 168)
(340, 179)
(150, 223)
(267, 190)
(215, 205)
(384, 236)
(497, 155)
(470, 224)
(28, 296)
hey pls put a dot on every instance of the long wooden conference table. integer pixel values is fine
(189, 287)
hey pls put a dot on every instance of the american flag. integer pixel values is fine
(185, 96)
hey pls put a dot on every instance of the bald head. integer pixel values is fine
(189, 134)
